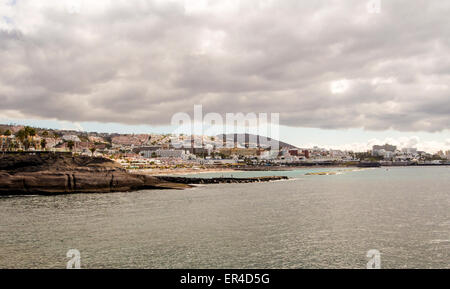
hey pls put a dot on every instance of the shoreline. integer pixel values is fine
(190, 171)
(165, 172)
(63, 174)
(156, 172)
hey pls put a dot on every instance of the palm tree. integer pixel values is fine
(26, 136)
(30, 131)
(27, 144)
(55, 137)
(43, 143)
(93, 149)
(12, 146)
(70, 144)
(21, 136)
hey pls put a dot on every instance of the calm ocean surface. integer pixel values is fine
(307, 222)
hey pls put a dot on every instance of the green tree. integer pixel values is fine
(26, 143)
(43, 143)
(30, 131)
(12, 146)
(436, 157)
(55, 137)
(21, 135)
(70, 144)
(26, 136)
(8, 132)
(93, 149)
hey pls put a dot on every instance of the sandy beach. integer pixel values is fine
(181, 171)
(188, 171)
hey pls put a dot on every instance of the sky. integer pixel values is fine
(341, 74)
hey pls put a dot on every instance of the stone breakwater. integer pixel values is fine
(52, 173)
(184, 180)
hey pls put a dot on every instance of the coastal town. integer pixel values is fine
(161, 152)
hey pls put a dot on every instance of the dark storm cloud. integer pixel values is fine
(139, 62)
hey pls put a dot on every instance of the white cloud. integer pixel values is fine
(339, 86)
(139, 62)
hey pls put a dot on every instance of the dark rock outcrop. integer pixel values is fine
(94, 181)
(62, 174)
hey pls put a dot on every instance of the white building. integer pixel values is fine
(379, 152)
(385, 151)
(172, 154)
(71, 137)
(270, 154)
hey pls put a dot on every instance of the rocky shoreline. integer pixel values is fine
(49, 173)
(64, 174)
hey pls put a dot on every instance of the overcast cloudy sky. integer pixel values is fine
(337, 72)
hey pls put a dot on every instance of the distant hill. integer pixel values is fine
(250, 138)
